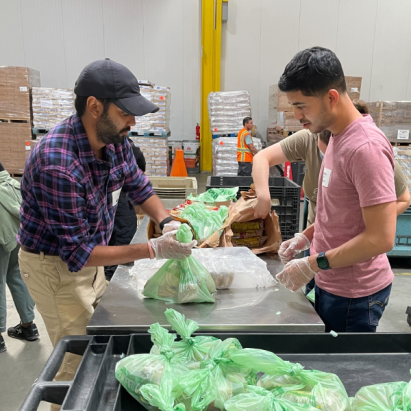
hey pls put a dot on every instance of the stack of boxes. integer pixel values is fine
(51, 106)
(155, 150)
(393, 118)
(403, 156)
(190, 153)
(227, 110)
(225, 157)
(15, 114)
(159, 122)
(281, 118)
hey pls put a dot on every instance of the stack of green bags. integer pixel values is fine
(206, 373)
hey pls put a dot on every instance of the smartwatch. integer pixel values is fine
(165, 221)
(322, 262)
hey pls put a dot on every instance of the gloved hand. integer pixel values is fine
(296, 274)
(290, 248)
(168, 247)
(171, 226)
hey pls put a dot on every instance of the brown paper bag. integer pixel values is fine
(243, 211)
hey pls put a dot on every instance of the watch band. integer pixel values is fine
(165, 221)
(322, 261)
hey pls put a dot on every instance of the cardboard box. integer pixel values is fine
(353, 87)
(278, 100)
(15, 91)
(393, 118)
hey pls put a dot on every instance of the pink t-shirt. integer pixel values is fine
(357, 171)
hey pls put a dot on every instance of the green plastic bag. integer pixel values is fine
(181, 281)
(189, 349)
(216, 380)
(258, 398)
(204, 221)
(393, 396)
(216, 195)
(135, 371)
(311, 296)
(162, 396)
(291, 382)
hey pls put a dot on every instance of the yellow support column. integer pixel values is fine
(210, 71)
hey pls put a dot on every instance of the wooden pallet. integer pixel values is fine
(397, 144)
(15, 174)
(14, 120)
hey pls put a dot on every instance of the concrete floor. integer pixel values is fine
(23, 361)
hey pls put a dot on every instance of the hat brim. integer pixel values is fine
(136, 105)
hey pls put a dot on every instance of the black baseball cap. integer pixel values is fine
(106, 79)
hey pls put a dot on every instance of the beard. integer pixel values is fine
(321, 123)
(107, 131)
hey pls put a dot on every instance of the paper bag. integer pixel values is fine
(243, 211)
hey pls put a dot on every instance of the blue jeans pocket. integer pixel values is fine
(377, 303)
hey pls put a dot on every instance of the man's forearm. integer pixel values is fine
(103, 255)
(155, 209)
(359, 249)
(261, 171)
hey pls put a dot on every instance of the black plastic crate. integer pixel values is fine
(298, 170)
(358, 359)
(286, 191)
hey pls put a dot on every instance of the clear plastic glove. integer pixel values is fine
(290, 248)
(171, 226)
(296, 274)
(167, 247)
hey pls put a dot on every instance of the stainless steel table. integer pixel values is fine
(123, 311)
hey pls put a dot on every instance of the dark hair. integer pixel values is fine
(1, 167)
(80, 104)
(325, 136)
(313, 71)
(362, 107)
(246, 120)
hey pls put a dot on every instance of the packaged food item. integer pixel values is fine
(250, 242)
(216, 379)
(291, 382)
(392, 396)
(247, 226)
(203, 220)
(135, 371)
(258, 398)
(181, 281)
(248, 234)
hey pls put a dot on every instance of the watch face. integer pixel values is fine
(322, 263)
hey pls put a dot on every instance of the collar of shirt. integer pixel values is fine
(86, 154)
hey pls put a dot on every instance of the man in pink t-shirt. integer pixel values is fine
(356, 211)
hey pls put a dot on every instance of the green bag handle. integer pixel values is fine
(184, 234)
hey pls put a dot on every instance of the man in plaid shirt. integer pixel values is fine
(70, 189)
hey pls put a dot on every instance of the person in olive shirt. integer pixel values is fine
(306, 146)
(311, 147)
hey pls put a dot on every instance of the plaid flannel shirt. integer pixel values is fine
(67, 193)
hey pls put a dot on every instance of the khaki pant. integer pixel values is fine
(65, 300)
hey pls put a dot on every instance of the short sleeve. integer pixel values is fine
(371, 169)
(296, 146)
(248, 139)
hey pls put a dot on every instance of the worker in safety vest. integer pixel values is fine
(245, 148)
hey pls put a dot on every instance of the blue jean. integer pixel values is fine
(311, 284)
(10, 275)
(342, 314)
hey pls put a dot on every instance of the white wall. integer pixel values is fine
(158, 40)
(372, 38)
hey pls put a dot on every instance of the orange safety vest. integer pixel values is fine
(243, 152)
